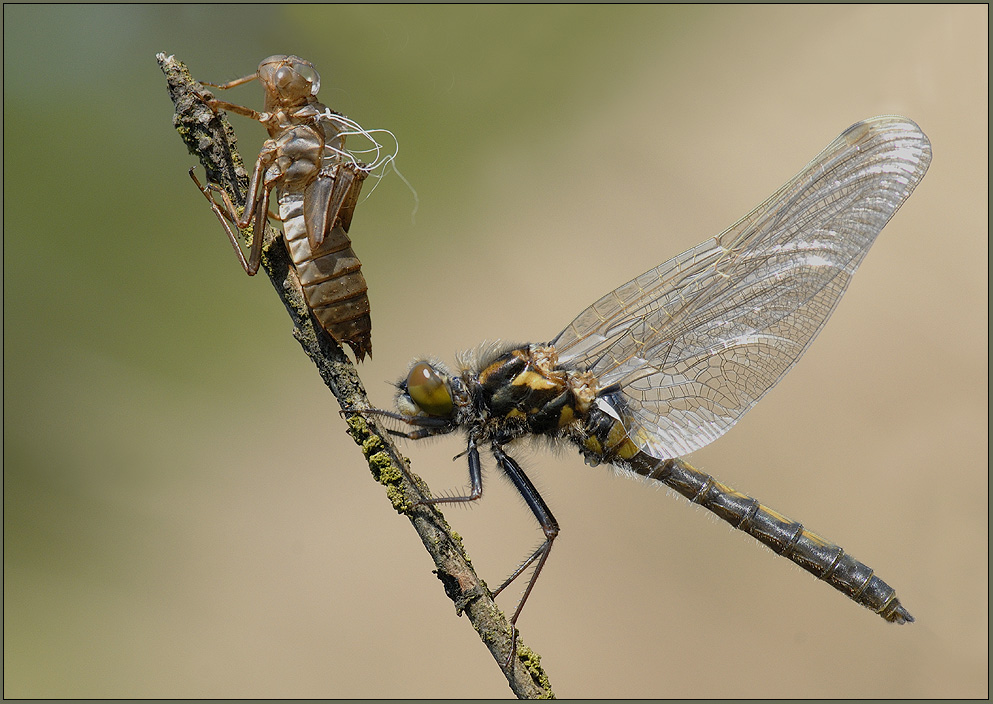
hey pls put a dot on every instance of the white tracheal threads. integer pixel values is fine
(383, 158)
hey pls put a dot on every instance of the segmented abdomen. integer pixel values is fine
(783, 536)
(331, 277)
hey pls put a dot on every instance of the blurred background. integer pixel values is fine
(184, 515)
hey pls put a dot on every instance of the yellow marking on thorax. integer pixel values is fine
(535, 381)
(497, 366)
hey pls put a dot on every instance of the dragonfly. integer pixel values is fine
(668, 362)
(318, 185)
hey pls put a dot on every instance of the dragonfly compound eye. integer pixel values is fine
(308, 73)
(290, 84)
(428, 390)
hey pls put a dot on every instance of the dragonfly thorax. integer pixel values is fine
(510, 394)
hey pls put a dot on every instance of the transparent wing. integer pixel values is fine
(684, 350)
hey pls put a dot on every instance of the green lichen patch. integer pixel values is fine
(532, 661)
(398, 498)
(383, 469)
(380, 466)
(457, 539)
(358, 429)
(389, 473)
(372, 446)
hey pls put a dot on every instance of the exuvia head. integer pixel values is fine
(428, 391)
(291, 78)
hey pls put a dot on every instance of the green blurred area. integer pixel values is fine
(173, 528)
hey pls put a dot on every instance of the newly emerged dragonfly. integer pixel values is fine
(318, 185)
(668, 362)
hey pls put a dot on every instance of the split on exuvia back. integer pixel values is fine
(668, 362)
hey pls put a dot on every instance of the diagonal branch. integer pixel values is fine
(210, 137)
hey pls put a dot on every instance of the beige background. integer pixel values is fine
(172, 528)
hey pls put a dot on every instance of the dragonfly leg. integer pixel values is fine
(227, 216)
(215, 105)
(475, 481)
(231, 84)
(426, 426)
(256, 210)
(549, 527)
(418, 434)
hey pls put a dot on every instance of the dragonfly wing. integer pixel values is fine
(684, 350)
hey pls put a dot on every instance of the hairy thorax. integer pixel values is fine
(524, 391)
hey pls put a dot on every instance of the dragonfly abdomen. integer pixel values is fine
(331, 278)
(820, 557)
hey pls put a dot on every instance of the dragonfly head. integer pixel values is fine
(290, 78)
(428, 391)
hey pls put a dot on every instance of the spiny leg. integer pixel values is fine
(549, 527)
(427, 426)
(475, 481)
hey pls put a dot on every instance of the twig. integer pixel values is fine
(209, 137)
